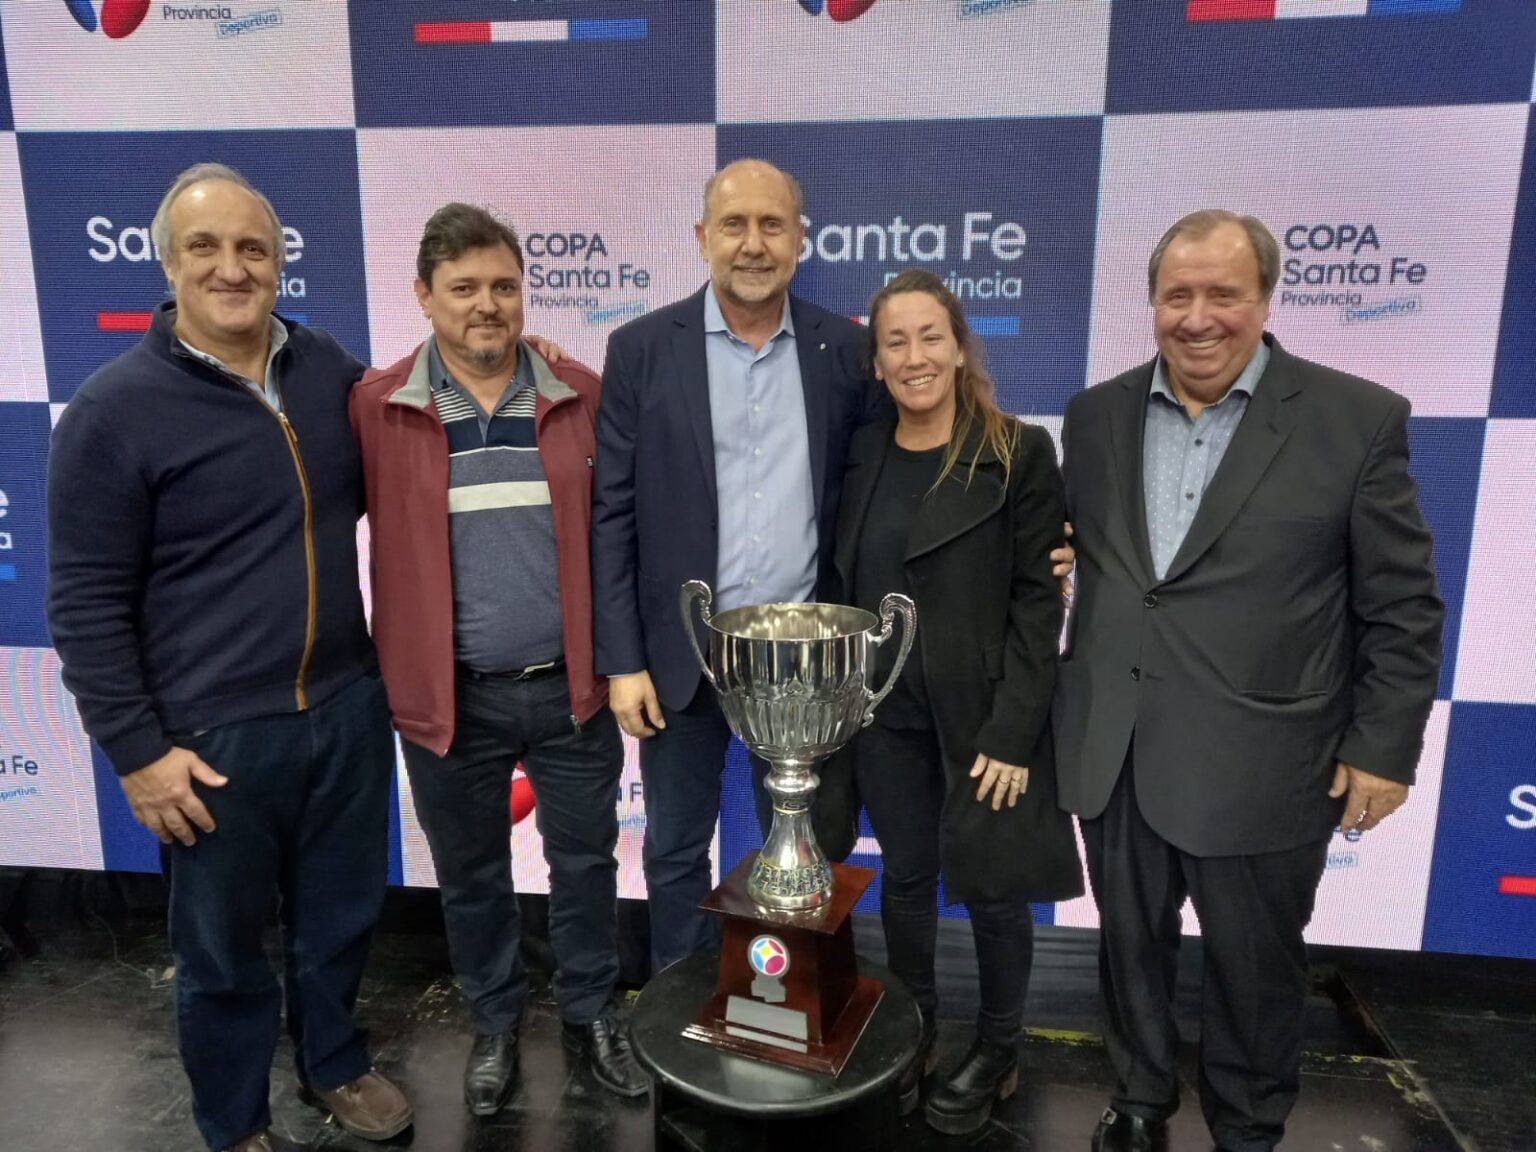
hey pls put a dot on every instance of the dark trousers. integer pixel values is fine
(680, 770)
(462, 802)
(304, 820)
(900, 775)
(1252, 910)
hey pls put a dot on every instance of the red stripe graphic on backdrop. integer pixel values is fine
(1230, 10)
(1517, 885)
(454, 32)
(123, 321)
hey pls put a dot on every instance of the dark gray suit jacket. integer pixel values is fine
(1299, 622)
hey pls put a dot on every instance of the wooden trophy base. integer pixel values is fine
(789, 990)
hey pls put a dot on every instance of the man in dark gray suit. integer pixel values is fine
(1251, 660)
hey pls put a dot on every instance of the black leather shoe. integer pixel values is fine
(490, 1072)
(962, 1102)
(1118, 1132)
(909, 1086)
(604, 1044)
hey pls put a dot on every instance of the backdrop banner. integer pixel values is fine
(1029, 153)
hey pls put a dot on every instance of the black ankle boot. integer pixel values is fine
(962, 1102)
(922, 1066)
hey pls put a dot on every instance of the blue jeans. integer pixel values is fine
(462, 801)
(680, 770)
(303, 824)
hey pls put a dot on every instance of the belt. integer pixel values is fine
(532, 672)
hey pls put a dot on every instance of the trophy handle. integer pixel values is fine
(697, 590)
(891, 605)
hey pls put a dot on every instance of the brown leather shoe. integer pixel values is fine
(255, 1142)
(370, 1107)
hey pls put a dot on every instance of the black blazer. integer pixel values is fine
(988, 624)
(1299, 623)
(655, 510)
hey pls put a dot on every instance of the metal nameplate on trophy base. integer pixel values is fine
(789, 989)
(793, 685)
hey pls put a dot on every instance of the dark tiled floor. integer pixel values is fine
(1467, 1026)
(88, 1060)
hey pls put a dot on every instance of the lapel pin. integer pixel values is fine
(823, 347)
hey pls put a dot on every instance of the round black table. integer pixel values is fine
(704, 1098)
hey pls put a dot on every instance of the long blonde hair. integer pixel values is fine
(975, 393)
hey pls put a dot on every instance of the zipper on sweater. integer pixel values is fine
(309, 559)
(301, 698)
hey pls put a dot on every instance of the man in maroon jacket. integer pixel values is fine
(478, 458)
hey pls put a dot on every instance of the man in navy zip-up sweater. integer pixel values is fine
(203, 496)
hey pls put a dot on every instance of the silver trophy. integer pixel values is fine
(793, 684)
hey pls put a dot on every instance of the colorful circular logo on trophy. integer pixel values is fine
(768, 956)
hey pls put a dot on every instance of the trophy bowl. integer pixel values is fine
(793, 680)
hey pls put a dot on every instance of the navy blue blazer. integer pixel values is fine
(655, 519)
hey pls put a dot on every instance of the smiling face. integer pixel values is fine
(1209, 309)
(917, 355)
(751, 235)
(475, 303)
(222, 262)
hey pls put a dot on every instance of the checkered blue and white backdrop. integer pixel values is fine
(1029, 151)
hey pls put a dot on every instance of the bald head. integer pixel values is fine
(203, 173)
(751, 235)
(756, 172)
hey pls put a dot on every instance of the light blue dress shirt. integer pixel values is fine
(762, 465)
(266, 390)
(1180, 454)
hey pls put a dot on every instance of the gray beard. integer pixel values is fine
(486, 358)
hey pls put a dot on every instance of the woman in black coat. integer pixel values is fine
(958, 505)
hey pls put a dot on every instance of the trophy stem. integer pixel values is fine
(791, 873)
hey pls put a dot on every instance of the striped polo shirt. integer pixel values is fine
(506, 584)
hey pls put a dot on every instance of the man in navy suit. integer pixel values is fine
(721, 438)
